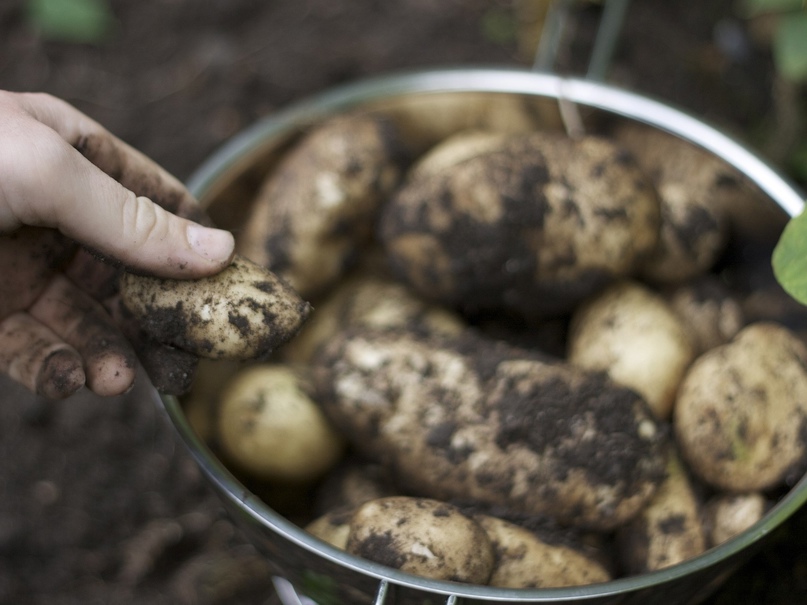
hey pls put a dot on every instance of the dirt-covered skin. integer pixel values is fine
(423, 537)
(472, 420)
(533, 226)
(243, 312)
(737, 429)
(318, 207)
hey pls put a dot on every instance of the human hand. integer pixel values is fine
(76, 205)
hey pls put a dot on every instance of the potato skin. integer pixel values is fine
(244, 312)
(318, 207)
(631, 333)
(668, 530)
(470, 419)
(269, 426)
(524, 560)
(740, 417)
(727, 515)
(424, 537)
(533, 226)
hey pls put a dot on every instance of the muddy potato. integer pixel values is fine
(471, 419)
(455, 149)
(668, 530)
(728, 515)
(709, 313)
(318, 207)
(372, 302)
(531, 227)
(351, 484)
(741, 411)
(270, 427)
(631, 333)
(423, 537)
(243, 312)
(525, 560)
(694, 228)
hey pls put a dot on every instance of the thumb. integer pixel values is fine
(58, 187)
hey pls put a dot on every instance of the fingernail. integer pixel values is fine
(213, 244)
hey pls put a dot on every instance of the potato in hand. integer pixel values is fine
(241, 313)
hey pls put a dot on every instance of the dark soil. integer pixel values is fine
(100, 503)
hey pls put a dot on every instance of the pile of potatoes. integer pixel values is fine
(525, 366)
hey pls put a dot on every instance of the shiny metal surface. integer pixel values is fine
(328, 575)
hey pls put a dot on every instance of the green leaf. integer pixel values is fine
(84, 21)
(499, 26)
(790, 46)
(752, 8)
(790, 258)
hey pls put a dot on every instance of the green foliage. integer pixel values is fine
(753, 8)
(790, 46)
(82, 21)
(499, 26)
(790, 258)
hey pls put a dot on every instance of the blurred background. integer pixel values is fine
(99, 503)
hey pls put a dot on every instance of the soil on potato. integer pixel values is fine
(100, 503)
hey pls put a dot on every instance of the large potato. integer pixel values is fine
(319, 205)
(423, 537)
(471, 419)
(532, 226)
(740, 417)
(630, 332)
(244, 312)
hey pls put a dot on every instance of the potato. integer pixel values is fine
(668, 530)
(318, 207)
(709, 313)
(728, 515)
(694, 228)
(631, 333)
(351, 484)
(423, 537)
(427, 120)
(532, 227)
(373, 302)
(333, 527)
(525, 560)
(457, 148)
(740, 417)
(201, 403)
(241, 313)
(470, 419)
(269, 426)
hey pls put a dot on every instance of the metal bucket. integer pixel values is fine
(330, 576)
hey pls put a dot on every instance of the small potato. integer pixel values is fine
(524, 560)
(372, 302)
(270, 427)
(741, 413)
(631, 333)
(728, 515)
(668, 530)
(423, 537)
(531, 227)
(469, 419)
(333, 527)
(318, 207)
(244, 312)
(708, 312)
(351, 484)
(455, 149)
(694, 228)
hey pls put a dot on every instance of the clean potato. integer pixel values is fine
(271, 428)
(472, 419)
(668, 530)
(525, 560)
(243, 312)
(631, 333)
(318, 207)
(532, 226)
(741, 411)
(421, 536)
(728, 515)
